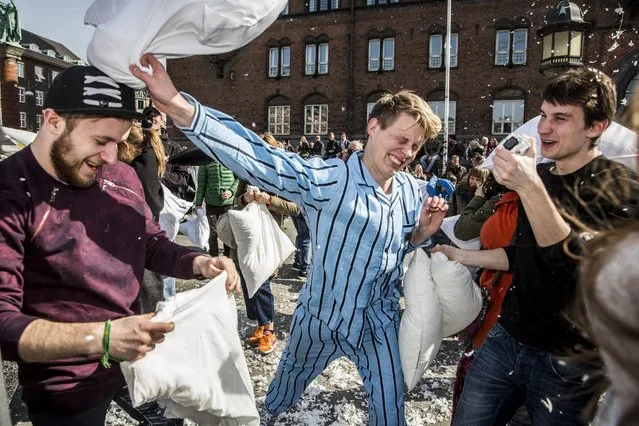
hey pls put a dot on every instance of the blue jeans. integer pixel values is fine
(260, 307)
(302, 243)
(506, 375)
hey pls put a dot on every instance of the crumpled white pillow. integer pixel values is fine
(262, 246)
(127, 29)
(420, 330)
(224, 230)
(199, 371)
(459, 296)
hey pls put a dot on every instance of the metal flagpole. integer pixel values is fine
(447, 87)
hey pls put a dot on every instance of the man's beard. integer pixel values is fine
(66, 167)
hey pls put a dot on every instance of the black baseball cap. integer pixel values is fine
(87, 90)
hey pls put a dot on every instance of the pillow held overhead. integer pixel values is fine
(127, 29)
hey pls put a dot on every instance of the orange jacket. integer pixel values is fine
(495, 233)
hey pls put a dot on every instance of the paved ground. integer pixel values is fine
(336, 397)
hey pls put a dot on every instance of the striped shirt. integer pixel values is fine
(359, 234)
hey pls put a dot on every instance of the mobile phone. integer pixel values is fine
(515, 143)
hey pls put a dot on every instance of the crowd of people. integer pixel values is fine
(87, 242)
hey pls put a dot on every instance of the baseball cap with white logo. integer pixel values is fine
(87, 90)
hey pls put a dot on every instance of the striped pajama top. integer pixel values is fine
(359, 234)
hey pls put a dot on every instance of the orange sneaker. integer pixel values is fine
(256, 336)
(267, 343)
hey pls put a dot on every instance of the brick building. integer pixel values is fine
(322, 65)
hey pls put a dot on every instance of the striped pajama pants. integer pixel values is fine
(312, 346)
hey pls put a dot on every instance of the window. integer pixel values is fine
(438, 108)
(279, 119)
(508, 115)
(285, 11)
(21, 69)
(34, 47)
(54, 74)
(371, 100)
(279, 61)
(511, 50)
(520, 45)
(376, 2)
(39, 121)
(369, 109)
(21, 97)
(39, 73)
(51, 53)
(39, 99)
(438, 49)
(632, 90)
(23, 120)
(385, 47)
(322, 5)
(315, 119)
(316, 59)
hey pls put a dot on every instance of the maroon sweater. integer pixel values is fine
(74, 255)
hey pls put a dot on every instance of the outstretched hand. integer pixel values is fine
(430, 220)
(163, 92)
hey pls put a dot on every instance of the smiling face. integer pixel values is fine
(565, 137)
(78, 153)
(390, 150)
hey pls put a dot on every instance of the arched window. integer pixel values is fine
(316, 55)
(278, 117)
(437, 46)
(371, 100)
(315, 114)
(508, 110)
(381, 50)
(279, 58)
(437, 103)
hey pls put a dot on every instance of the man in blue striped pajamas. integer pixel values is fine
(363, 216)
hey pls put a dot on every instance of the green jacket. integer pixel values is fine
(212, 180)
(475, 214)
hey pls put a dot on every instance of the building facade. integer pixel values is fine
(322, 65)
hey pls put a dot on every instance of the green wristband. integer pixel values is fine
(106, 341)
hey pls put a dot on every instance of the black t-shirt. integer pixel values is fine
(600, 195)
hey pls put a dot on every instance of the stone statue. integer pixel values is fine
(9, 24)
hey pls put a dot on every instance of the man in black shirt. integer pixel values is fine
(561, 204)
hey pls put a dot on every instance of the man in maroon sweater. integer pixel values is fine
(75, 237)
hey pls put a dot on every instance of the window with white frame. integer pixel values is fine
(54, 74)
(21, 95)
(511, 47)
(369, 109)
(39, 73)
(438, 108)
(437, 50)
(316, 59)
(388, 54)
(23, 120)
(508, 115)
(51, 53)
(376, 2)
(381, 52)
(21, 69)
(38, 121)
(520, 46)
(279, 119)
(279, 61)
(316, 119)
(39, 98)
(34, 47)
(322, 5)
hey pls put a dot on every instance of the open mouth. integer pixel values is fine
(548, 143)
(395, 160)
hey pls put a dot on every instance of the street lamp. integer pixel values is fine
(563, 38)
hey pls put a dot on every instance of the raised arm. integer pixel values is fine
(239, 149)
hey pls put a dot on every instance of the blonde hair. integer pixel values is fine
(138, 139)
(389, 107)
(270, 139)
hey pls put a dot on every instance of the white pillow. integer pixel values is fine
(127, 29)
(459, 296)
(420, 331)
(224, 230)
(199, 371)
(262, 246)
